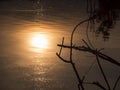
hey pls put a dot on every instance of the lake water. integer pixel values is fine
(28, 46)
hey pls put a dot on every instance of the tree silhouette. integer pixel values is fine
(102, 12)
(105, 13)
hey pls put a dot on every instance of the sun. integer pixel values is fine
(39, 41)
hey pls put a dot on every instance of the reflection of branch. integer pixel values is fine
(99, 85)
(61, 47)
(86, 49)
(98, 55)
(102, 72)
(96, 84)
(62, 58)
(75, 28)
(71, 51)
(116, 82)
(73, 66)
(59, 54)
(78, 76)
(75, 70)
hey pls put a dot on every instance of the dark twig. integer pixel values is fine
(59, 55)
(78, 76)
(89, 41)
(73, 65)
(67, 61)
(116, 82)
(100, 54)
(99, 85)
(104, 27)
(96, 84)
(86, 43)
(75, 70)
(102, 72)
(61, 47)
(71, 49)
(72, 34)
(90, 68)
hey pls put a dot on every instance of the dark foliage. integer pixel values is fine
(105, 13)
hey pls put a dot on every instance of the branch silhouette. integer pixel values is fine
(106, 20)
(87, 48)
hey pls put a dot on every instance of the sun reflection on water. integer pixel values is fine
(39, 42)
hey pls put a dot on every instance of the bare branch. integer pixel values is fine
(66, 61)
(78, 76)
(75, 28)
(102, 72)
(101, 55)
(116, 82)
(61, 47)
(99, 85)
(85, 43)
(96, 84)
(105, 24)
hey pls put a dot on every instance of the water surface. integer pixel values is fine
(28, 46)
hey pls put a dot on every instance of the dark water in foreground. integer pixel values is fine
(26, 64)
